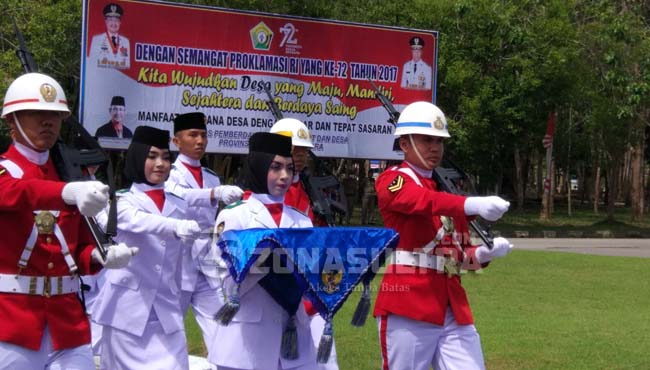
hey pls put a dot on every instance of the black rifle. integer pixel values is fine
(447, 176)
(322, 187)
(73, 162)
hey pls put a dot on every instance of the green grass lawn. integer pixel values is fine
(535, 310)
(582, 219)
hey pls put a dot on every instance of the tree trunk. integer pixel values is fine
(540, 174)
(547, 195)
(568, 197)
(624, 188)
(582, 181)
(568, 165)
(520, 184)
(636, 178)
(561, 183)
(612, 189)
(596, 185)
(551, 195)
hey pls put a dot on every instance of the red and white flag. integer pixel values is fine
(550, 128)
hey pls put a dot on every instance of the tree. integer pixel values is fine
(614, 40)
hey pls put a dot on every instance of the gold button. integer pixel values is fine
(48, 240)
(50, 265)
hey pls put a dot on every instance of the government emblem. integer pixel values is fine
(48, 92)
(45, 221)
(331, 280)
(438, 124)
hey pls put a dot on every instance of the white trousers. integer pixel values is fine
(95, 282)
(153, 350)
(417, 345)
(13, 357)
(317, 324)
(96, 337)
(276, 367)
(205, 302)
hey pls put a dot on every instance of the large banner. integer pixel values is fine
(144, 62)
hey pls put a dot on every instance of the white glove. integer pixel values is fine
(187, 230)
(490, 208)
(501, 247)
(228, 193)
(117, 256)
(89, 196)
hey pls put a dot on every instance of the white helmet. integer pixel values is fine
(296, 130)
(35, 91)
(422, 118)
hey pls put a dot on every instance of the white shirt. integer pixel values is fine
(416, 75)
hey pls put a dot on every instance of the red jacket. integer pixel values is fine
(23, 317)
(414, 212)
(297, 198)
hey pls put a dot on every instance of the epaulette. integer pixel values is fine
(175, 188)
(210, 171)
(236, 204)
(174, 195)
(121, 192)
(297, 210)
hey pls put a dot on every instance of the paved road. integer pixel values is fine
(606, 247)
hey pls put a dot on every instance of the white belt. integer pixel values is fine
(417, 259)
(39, 285)
(446, 265)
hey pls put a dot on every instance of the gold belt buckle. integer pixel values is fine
(45, 221)
(452, 267)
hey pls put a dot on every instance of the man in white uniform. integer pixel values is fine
(201, 188)
(110, 49)
(416, 74)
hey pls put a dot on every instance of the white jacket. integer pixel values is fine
(200, 209)
(151, 281)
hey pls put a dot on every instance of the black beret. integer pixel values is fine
(117, 100)
(113, 10)
(416, 42)
(151, 136)
(189, 121)
(266, 142)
